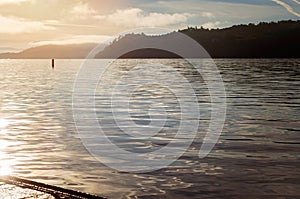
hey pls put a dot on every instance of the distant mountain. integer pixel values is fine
(265, 40)
(73, 51)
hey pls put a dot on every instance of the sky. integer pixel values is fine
(29, 23)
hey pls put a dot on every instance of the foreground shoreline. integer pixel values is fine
(11, 186)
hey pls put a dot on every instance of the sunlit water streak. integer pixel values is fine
(258, 151)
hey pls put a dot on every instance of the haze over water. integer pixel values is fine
(258, 151)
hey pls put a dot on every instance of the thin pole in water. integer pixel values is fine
(53, 64)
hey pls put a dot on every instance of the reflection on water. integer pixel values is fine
(6, 166)
(6, 163)
(257, 153)
(3, 123)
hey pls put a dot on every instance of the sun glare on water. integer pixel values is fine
(3, 123)
(5, 168)
(5, 164)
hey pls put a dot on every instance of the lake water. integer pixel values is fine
(257, 154)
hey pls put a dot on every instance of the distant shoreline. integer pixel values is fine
(264, 40)
(259, 58)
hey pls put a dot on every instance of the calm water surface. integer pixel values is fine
(257, 155)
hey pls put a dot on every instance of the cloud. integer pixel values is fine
(82, 9)
(228, 12)
(297, 2)
(211, 25)
(287, 7)
(13, 25)
(59, 24)
(135, 17)
(8, 49)
(74, 39)
(207, 14)
(13, 1)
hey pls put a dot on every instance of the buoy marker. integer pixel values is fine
(53, 64)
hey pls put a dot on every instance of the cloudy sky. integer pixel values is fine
(27, 23)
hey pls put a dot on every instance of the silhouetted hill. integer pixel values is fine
(265, 40)
(74, 51)
(135, 41)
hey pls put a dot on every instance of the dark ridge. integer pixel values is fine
(72, 51)
(149, 53)
(264, 40)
